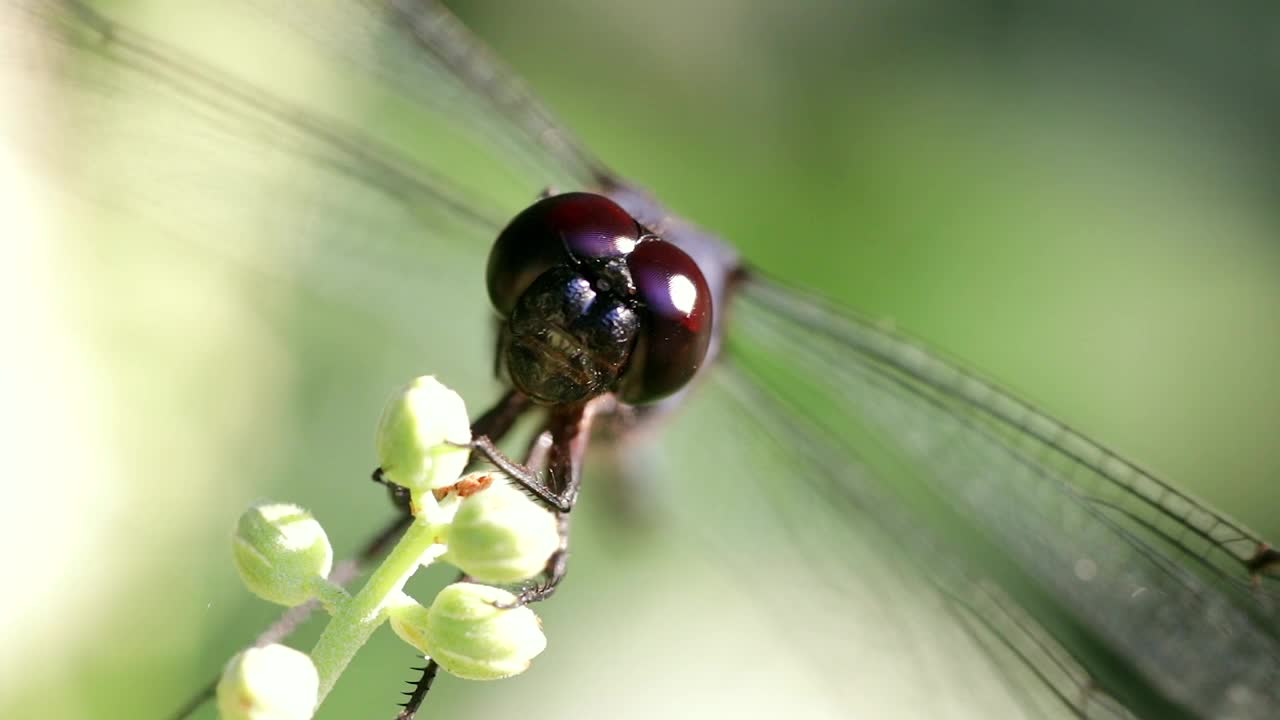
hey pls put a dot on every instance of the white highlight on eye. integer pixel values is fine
(684, 294)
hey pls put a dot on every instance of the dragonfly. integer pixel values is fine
(1091, 587)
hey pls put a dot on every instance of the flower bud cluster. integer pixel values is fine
(479, 523)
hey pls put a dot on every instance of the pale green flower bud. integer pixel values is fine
(501, 536)
(475, 640)
(268, 683)
(281, 553)
(409, 621)
(415, 433)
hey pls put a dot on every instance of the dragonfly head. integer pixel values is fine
(593, 303)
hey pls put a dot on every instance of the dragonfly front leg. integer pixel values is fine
(560, 448)
(569, 429)
(557, 567)
(529, 480)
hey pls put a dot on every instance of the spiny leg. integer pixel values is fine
(570, 428)
(537, 456)
(529, 480)
(556, 568)
(420, 689)
(569, 432)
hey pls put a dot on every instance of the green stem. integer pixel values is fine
(331, 595)
(357, 618)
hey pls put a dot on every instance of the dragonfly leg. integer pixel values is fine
(561, 447)
(569, 429)
(497, 420)
(421, 687)
(399, 494)
(557, 567)
(527, 478)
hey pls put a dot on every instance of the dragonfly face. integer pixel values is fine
(1092, 587)
(594, 304)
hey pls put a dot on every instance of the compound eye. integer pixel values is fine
(555, 231)
(677, 322)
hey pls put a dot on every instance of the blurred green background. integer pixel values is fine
(1078, 200)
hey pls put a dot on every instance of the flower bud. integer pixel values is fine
(415, 433)
(474, 640)
(281, 551)
(501, 536)
(268, 683)
(409, 621)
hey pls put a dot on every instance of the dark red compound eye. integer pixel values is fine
(677, 328)
(550, 232)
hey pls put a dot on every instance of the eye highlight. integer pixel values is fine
(677, 318)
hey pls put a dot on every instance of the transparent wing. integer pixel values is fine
(438, 67)
(245, 126)
(1114, 589)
